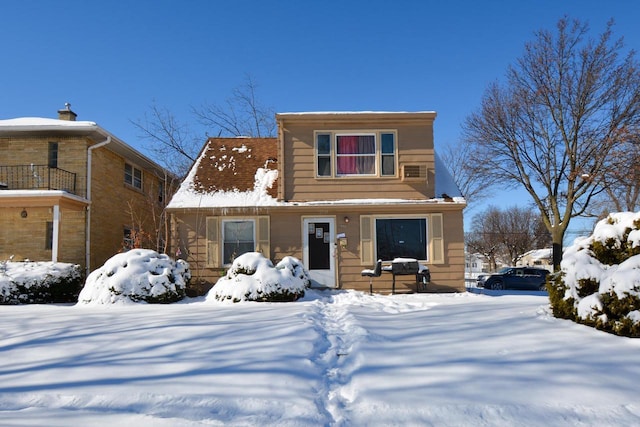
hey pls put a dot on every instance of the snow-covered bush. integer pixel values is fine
(139, 275)
(252, 277)
(599, 284)
(39, 282)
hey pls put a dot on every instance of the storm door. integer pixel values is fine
(319, 251)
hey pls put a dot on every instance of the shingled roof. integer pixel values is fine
(231, 164)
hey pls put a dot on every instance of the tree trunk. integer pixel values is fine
(557, 235)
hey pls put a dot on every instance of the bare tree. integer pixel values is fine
(459, 161)
(550, 129)
(506, 235)
(484, 238)
(171, 141)
(176, 145)
(240, 115)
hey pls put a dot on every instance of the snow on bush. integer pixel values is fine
(252, 277)
(39, 282)
(599, 283)
(139, 275)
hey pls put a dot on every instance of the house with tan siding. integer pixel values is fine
(70, 191)
(337, 190)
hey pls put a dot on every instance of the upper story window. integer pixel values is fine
(355, 154)
(53, 155)
(132, 176)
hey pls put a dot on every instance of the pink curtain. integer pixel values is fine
(364, 160)
(347, 164)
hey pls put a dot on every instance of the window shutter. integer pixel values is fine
(366, 240)
(212, 242)
(437, 240)
(263, 233)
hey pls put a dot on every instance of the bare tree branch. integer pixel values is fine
(239, 115)
(458, 158)
(171, 141)
(568, 102)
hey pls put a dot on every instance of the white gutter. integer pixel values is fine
(87, 251)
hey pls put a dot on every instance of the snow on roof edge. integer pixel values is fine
(42, 123)
(302, 113)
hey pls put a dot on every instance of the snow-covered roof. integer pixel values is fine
(231, 172)
(539, 254)
(311, 113)
(20, 125)
(41, 123)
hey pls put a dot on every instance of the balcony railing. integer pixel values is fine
(36, 177)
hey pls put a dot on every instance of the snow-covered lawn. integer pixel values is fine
(332, 358)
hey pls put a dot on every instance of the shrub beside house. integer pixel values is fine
(599, 284)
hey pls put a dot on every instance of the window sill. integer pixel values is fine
(131, 187)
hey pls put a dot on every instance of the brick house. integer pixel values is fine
(336, 190)
(72, 192)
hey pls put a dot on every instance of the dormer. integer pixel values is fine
(355, 155)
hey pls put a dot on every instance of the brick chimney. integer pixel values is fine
(66, 113)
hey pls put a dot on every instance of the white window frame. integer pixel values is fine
(333, 154)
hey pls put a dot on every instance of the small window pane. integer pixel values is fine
(53, 155)
(128, 174)
(137, 178)
(363, 144)
(48, 240)
(388, 146)
(324, 166)
(324, 144)
(388, 165)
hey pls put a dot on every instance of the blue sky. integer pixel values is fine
(112, 59)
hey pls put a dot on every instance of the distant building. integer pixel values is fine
(72, 192)
(542, 258)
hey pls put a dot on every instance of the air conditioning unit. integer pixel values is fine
(414, 172)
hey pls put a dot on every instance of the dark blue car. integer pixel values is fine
(529, 278)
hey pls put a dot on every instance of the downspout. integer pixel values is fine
(87, 250)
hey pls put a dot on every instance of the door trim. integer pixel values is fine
(320, 278)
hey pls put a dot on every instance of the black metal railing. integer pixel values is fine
(36, 177)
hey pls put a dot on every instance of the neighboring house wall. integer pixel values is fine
(113, 207)
(117, 206)
(29, 150)
(26, 229)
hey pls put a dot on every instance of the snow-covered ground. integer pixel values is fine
(334, 358)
